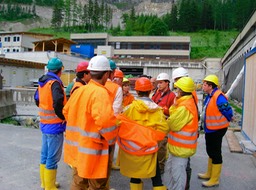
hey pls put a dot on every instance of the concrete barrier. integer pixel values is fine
(23, 95)
(7, 105)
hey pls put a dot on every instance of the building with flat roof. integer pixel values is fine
(20, 41)
(141, 47)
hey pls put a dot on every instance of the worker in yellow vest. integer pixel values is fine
(91, 127)
(176, 75)
(182, 138)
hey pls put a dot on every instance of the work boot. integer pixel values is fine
(215, 175)
(159, 188)
(207, 174)
(50, 179)
(42, 167)
(136, 186)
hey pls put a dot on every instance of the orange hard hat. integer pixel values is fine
(118, 73)
(82, 66)
(143, 84)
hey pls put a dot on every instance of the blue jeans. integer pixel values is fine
(51, 149)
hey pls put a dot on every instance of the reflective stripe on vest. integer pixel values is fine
(213, 117)
(95, 135)
(187, 137)
(183, 141)
(84, 150)
(133, 148)
(46, 111)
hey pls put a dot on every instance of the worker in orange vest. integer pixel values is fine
(127, 96)
(216, 115)
(82, 75)
(118, 77)
(117, 100)
(176, 75)
(182, 139)
(164, 97)
(91, 127)
(142, 126)
(50, 98)
(82, 78)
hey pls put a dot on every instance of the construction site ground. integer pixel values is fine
(20, 157)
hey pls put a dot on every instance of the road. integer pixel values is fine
(20, 153)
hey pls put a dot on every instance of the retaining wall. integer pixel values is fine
(7, 105)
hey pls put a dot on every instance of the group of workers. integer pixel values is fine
(103, 126)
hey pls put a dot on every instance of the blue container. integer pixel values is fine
(85, 51)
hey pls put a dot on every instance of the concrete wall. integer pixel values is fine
(233, 60)
(19, 76)
(7, 105)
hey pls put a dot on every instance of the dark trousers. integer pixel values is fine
(156, 180)
(213, 145)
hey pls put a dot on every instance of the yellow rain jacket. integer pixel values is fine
(148, 114)
(183, 122)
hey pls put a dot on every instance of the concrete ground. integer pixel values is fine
(20, 156)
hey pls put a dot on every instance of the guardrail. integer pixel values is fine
(23, 95)
(144, 63)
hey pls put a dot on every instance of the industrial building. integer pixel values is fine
(137, 47)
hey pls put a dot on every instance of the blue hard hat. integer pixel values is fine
(54, 64)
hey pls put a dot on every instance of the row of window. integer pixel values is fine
(11, 50)
(8, 39)
(137, 45)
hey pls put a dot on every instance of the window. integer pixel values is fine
(117, 45)
(7, 39)
(16, 38)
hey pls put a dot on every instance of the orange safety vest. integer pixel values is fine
(137, 139)
(195, 96)
(75, 86)
(112, 88)
(214, 119)
(46, 111)
(187, 136)
(127, 99)
(90, 130)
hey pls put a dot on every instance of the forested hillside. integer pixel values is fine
(131, 17)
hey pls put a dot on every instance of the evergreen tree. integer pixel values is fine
(158, 28)
(57, 15)
(67, 17)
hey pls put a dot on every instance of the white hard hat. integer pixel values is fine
(99, 63)
(179, 72)
(163, 76)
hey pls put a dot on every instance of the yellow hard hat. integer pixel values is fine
(125, 80)
(186, 84)
(212, 78)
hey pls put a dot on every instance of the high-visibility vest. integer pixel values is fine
(214, 119)
(127, 99)
(137, 139)
(112, 87)
(75, 86)
(46, 111)
(187, 136)
(89, 131)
